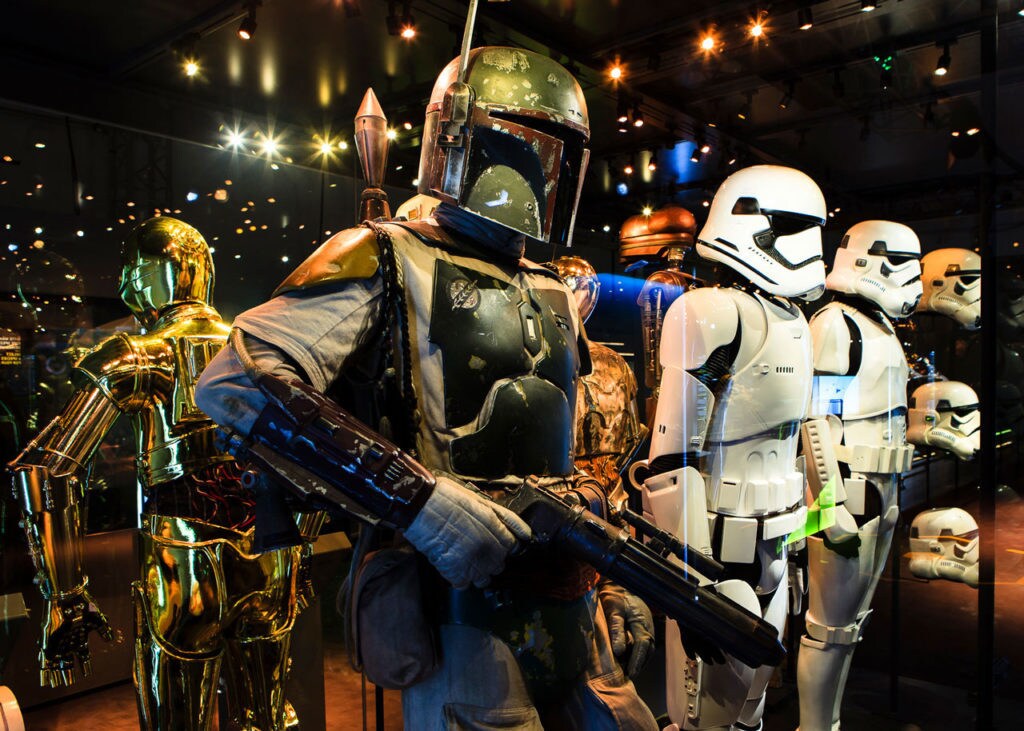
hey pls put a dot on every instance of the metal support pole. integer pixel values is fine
(987, 457)
(895, 639)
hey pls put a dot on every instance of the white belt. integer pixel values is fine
(757, 497)
(740, 535)
(877, 460)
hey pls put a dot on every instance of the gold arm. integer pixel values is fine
(49, 485)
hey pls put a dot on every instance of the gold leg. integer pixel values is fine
(174, 692)
(256, 673)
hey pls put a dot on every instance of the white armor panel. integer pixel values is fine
(864, 383)
(879, 385)
(756, 353)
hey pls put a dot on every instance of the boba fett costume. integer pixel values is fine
(485, 349)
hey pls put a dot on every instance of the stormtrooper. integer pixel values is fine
(946, 415)
(439, 335)
(723, 471)
(944, 545)
(206, 603)
(856, 448)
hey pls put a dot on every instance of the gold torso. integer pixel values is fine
(152, 378)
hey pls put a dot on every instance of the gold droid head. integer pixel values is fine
(164, 262)
(581, 277)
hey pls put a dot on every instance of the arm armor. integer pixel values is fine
(325, 457)
(49, 485)
(697, 350)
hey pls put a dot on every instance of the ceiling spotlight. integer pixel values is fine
(408, 24)
(325, 148)
(744, 111)
(247, 28)
(190, 66)
(732, 160)
(407, 125)
(866, 6)
(652, 162)
(343, 145)
(757, 27)
(235, 139)
(624, 126)
(622, 113)
(705, 148)
(787, 97)
(628, 170)
(648, 210)
(392, 134)
(971, 131)
(942, 66)
(805, 18)
(616, 72)
(637, 115)
(269, 146)
(708, 42)
(695, 155)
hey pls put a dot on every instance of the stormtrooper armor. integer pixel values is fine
(944, 545)
(724, 473)
(205, 601)
(946, 414)
(952, 285)
(856, 444)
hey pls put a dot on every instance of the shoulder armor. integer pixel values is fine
(117, 368)
(696, 324)
(830, 334)
(348, 255)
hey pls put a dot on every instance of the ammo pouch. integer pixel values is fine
(396, 644)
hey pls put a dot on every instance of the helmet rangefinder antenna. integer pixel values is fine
(372, 146)
(458, 100)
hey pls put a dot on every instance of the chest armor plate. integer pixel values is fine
(880, 384)
(509, 367)
(770, 384)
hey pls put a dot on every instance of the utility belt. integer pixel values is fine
(551, 639)
(738, 536)
(873, 459)
(758, 497)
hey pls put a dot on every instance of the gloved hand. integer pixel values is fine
(65, 640)
(630, 626)
(464, 534)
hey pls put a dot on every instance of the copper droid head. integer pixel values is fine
(509, 143)
(165, 261)
(582, 280)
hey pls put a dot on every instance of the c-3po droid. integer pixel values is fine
(206, 602)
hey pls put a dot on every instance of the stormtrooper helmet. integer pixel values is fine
(879, 261)
(952, 285)
(765, 223)
(945, 414)
(944, 534)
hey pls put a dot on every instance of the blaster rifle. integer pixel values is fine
(328, 460)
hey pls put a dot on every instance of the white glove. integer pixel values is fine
(464, 534)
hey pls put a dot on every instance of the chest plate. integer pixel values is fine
(769, 387)
(509, 363)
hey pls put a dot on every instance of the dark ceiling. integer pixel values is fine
(875, 144)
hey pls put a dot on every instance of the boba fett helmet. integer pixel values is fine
(508, 143)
